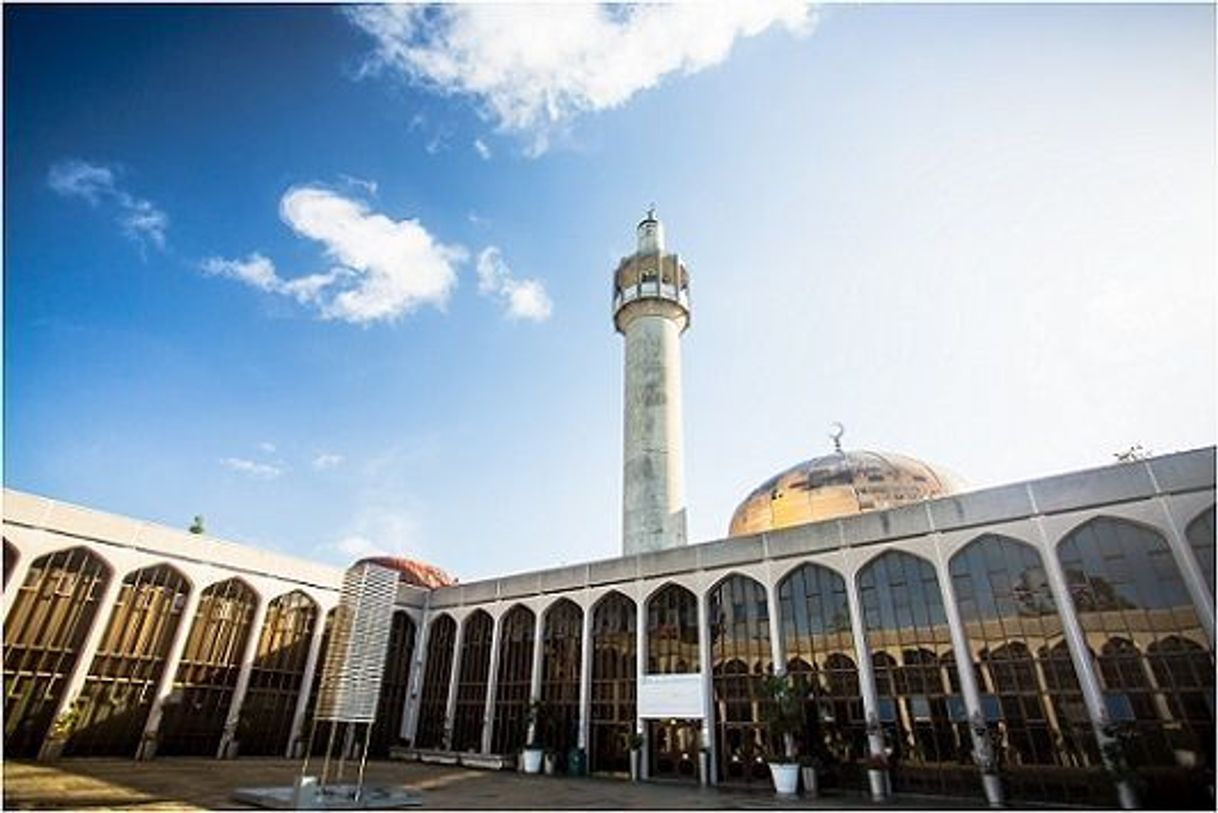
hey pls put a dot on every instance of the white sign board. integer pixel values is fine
(676, 696)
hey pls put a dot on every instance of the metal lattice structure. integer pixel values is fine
(355, 659)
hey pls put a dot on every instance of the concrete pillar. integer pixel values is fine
(295, 744)
(414, 683)
(229, 737)
(585, 679)
(450, 708)
(88, 649)
(708, 689)
(535, 674)
(640, 662)
(969, 689)
(871, 701)
(774, 613)
(152, 726)
(492, 686)
(16, 579)
(1076, 640)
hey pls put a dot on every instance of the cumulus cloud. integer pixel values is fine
(522, 298)
(326, 460)
(531, 68)
(392, 266)
(139, 219)
(480, 147)
(259, 471)
(384, 268)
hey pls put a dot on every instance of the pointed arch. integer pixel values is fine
(46, 626)
(739, 634)
(562, 642)
(395, 681)
(614, 681)
(903, 615)
(1127, 591)
(122, 679)
(472, 678)
(513, 679)
(672, 630)
(11, 555)
(1009, 613)
(203, 687)
(433, 702)
(277, 675)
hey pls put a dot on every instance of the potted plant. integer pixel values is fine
(784, 719)
(985, 754)
(635, 742)
(534, 751)
(61, 730)
(876, 765)
(809, 767)
(551, 761)
(1114, 737)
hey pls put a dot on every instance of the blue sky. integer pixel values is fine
(339, 280)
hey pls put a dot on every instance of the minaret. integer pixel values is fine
(651, 309)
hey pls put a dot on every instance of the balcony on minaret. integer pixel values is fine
(651, 273)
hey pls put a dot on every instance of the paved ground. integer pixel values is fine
(206, 783)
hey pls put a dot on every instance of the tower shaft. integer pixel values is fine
(651, 310)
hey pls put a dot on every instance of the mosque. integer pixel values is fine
(1081, 604)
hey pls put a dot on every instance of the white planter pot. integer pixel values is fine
(993, 789)
(551, 764)
(532, 760)
(878, 783)
(635, 759)
(811, 782)
(786, 777)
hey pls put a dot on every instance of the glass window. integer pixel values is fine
(614, 683)
(43, 633)
(473, 674)
(560, 671)
(1200, 535)
(672, 631)
(908, 636)
(391, 705)
(740, 659)
(1138, 616)
(1014, 617)
(437, 672)
(513, 680)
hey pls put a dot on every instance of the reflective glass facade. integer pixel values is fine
(474, 671)
(1155, 663)
(513, 680)
(43, 632)
(1200, 534)
(739, 621)
(560, 675)
(614, 655)
(122, 679)
(672, 631)
(265, 725)
(391, 705)
(437, 672)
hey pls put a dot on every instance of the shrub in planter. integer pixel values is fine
(809, 770)
(534, 750)
(784, 696)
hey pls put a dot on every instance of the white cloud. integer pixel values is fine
(480, 147)
(371, 187)
(522, 298)
(532, 68)
(139, 219)
(267, 446)
(391, 266)
(384, 269)
(326, 460)
(259, 471)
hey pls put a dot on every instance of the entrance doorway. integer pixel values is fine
(673, 749)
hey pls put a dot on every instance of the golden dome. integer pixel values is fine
(836, 485)
(412, 571)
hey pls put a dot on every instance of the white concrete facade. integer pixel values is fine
(1164, 494)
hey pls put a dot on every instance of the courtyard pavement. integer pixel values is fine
(206, 784)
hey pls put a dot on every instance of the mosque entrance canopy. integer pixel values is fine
(672, 696)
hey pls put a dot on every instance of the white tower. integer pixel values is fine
(651, 309)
